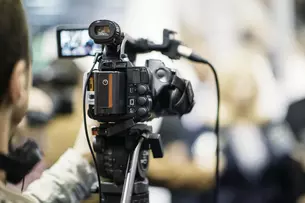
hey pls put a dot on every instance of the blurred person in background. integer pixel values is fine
(294, 85)
(71, 178)
(256, 147)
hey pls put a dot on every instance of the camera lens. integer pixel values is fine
(102, 30)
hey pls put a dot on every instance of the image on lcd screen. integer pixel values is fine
(77, 43)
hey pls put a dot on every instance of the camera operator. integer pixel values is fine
(70, 179)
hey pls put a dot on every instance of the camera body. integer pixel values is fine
(116, 91)
(120, 91)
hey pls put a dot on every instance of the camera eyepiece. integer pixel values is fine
(105, 32)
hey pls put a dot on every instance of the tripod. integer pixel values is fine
(122, 151)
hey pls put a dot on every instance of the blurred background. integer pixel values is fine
(257, 47)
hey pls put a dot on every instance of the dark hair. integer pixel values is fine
(14, 40)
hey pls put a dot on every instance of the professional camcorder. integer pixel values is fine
(120, 91)
(121, 97)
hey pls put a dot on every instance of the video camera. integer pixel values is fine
(129, 91)
(120, 95)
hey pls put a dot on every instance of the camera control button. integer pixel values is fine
(161, 73)
(142, 112)
(142, 89)
(142, 100)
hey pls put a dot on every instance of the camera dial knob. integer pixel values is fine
(142, 89)
(142, 100)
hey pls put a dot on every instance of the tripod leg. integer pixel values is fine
(128, 183)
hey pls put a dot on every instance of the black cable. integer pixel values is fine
(216, 193)
(86, 130)
(197, 58)
(22, 186)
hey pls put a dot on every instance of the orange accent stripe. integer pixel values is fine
(91, 88)
(110, 104)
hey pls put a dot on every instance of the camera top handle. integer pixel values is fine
(169, 46)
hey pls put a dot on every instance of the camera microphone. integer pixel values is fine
(188, 53)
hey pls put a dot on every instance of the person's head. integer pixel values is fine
(239, 86)
(15, 73)
(240, 91)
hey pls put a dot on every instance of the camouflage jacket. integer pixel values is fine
(69, 180)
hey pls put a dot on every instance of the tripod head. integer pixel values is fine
(123, 157)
